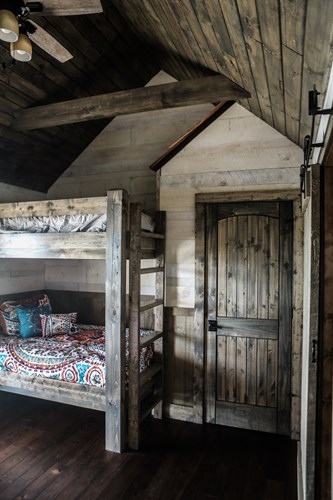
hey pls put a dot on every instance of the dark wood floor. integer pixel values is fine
(53, 451)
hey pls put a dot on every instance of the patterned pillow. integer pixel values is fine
(30, 323)
(56, 324)
(9, 319)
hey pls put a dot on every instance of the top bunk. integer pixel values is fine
(80, 228)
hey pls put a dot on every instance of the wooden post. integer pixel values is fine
(325, 381)
(134, 328)
(160, 345)
(210, 293)
(199, 315)
(115, 310)
(285, 317)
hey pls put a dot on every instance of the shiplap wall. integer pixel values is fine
(18, 275)
(119, 158)
(238, 152)
(121, 154)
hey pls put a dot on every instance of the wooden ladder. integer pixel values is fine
(145, 390)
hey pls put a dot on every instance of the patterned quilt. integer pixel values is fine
(78, 358)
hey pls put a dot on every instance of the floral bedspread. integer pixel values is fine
(77, 358)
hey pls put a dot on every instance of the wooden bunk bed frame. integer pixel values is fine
(123, 239)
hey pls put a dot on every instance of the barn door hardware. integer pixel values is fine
(314, 109)
(308, 145)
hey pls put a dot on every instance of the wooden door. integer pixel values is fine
(248, 342)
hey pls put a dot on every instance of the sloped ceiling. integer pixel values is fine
(275, 49)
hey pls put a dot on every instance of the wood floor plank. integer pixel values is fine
(55, 451)
(31, 461)
(69, 457)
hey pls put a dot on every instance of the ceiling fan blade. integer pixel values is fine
(48, 43)
(66, 8)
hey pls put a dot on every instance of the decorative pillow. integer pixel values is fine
(55, 324)
(8, 315)
(30, 323)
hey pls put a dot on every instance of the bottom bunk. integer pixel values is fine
(63, 361)
(77, 357)
(68, 367)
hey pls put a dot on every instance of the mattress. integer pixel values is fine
(77, 358)
(64, 224)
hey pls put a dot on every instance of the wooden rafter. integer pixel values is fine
(170, 95)
(191, 134)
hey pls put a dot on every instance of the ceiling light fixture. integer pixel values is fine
(9, 27)
(14, 27)
(21, 50)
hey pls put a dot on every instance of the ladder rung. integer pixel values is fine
(149, 373)
(152, 305)
(156, 236)
(148, 270)
(149, 339)
(149, 405)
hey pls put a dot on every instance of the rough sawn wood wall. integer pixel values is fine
(237, 153)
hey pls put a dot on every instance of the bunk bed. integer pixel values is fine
(129, 393)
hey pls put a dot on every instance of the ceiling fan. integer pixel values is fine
(18, 29)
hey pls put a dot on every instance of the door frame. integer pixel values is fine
(201, 316)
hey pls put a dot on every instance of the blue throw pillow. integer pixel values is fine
(30, 323)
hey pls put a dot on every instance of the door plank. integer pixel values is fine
(273, 312)
(251, 372)
(257, 418)
(263, 269)
(261, 328)
(221, 368)
(222, 268)
(252, 305)
(242, 267)
(232, 267)
(241, 371)
(231, 369)
(262, 373)
(272, 350)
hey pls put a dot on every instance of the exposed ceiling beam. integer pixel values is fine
(169, 95)
(191, 134)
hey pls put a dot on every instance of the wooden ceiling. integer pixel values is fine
(275, 49)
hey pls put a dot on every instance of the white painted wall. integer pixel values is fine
(237, 152)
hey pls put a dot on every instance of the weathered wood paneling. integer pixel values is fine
(180, 365)
(120, 155)
(236, 154)
(21, 276)
(248, 275)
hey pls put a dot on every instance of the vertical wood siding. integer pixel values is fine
(235, 154)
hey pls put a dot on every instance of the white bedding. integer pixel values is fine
(64, 224)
